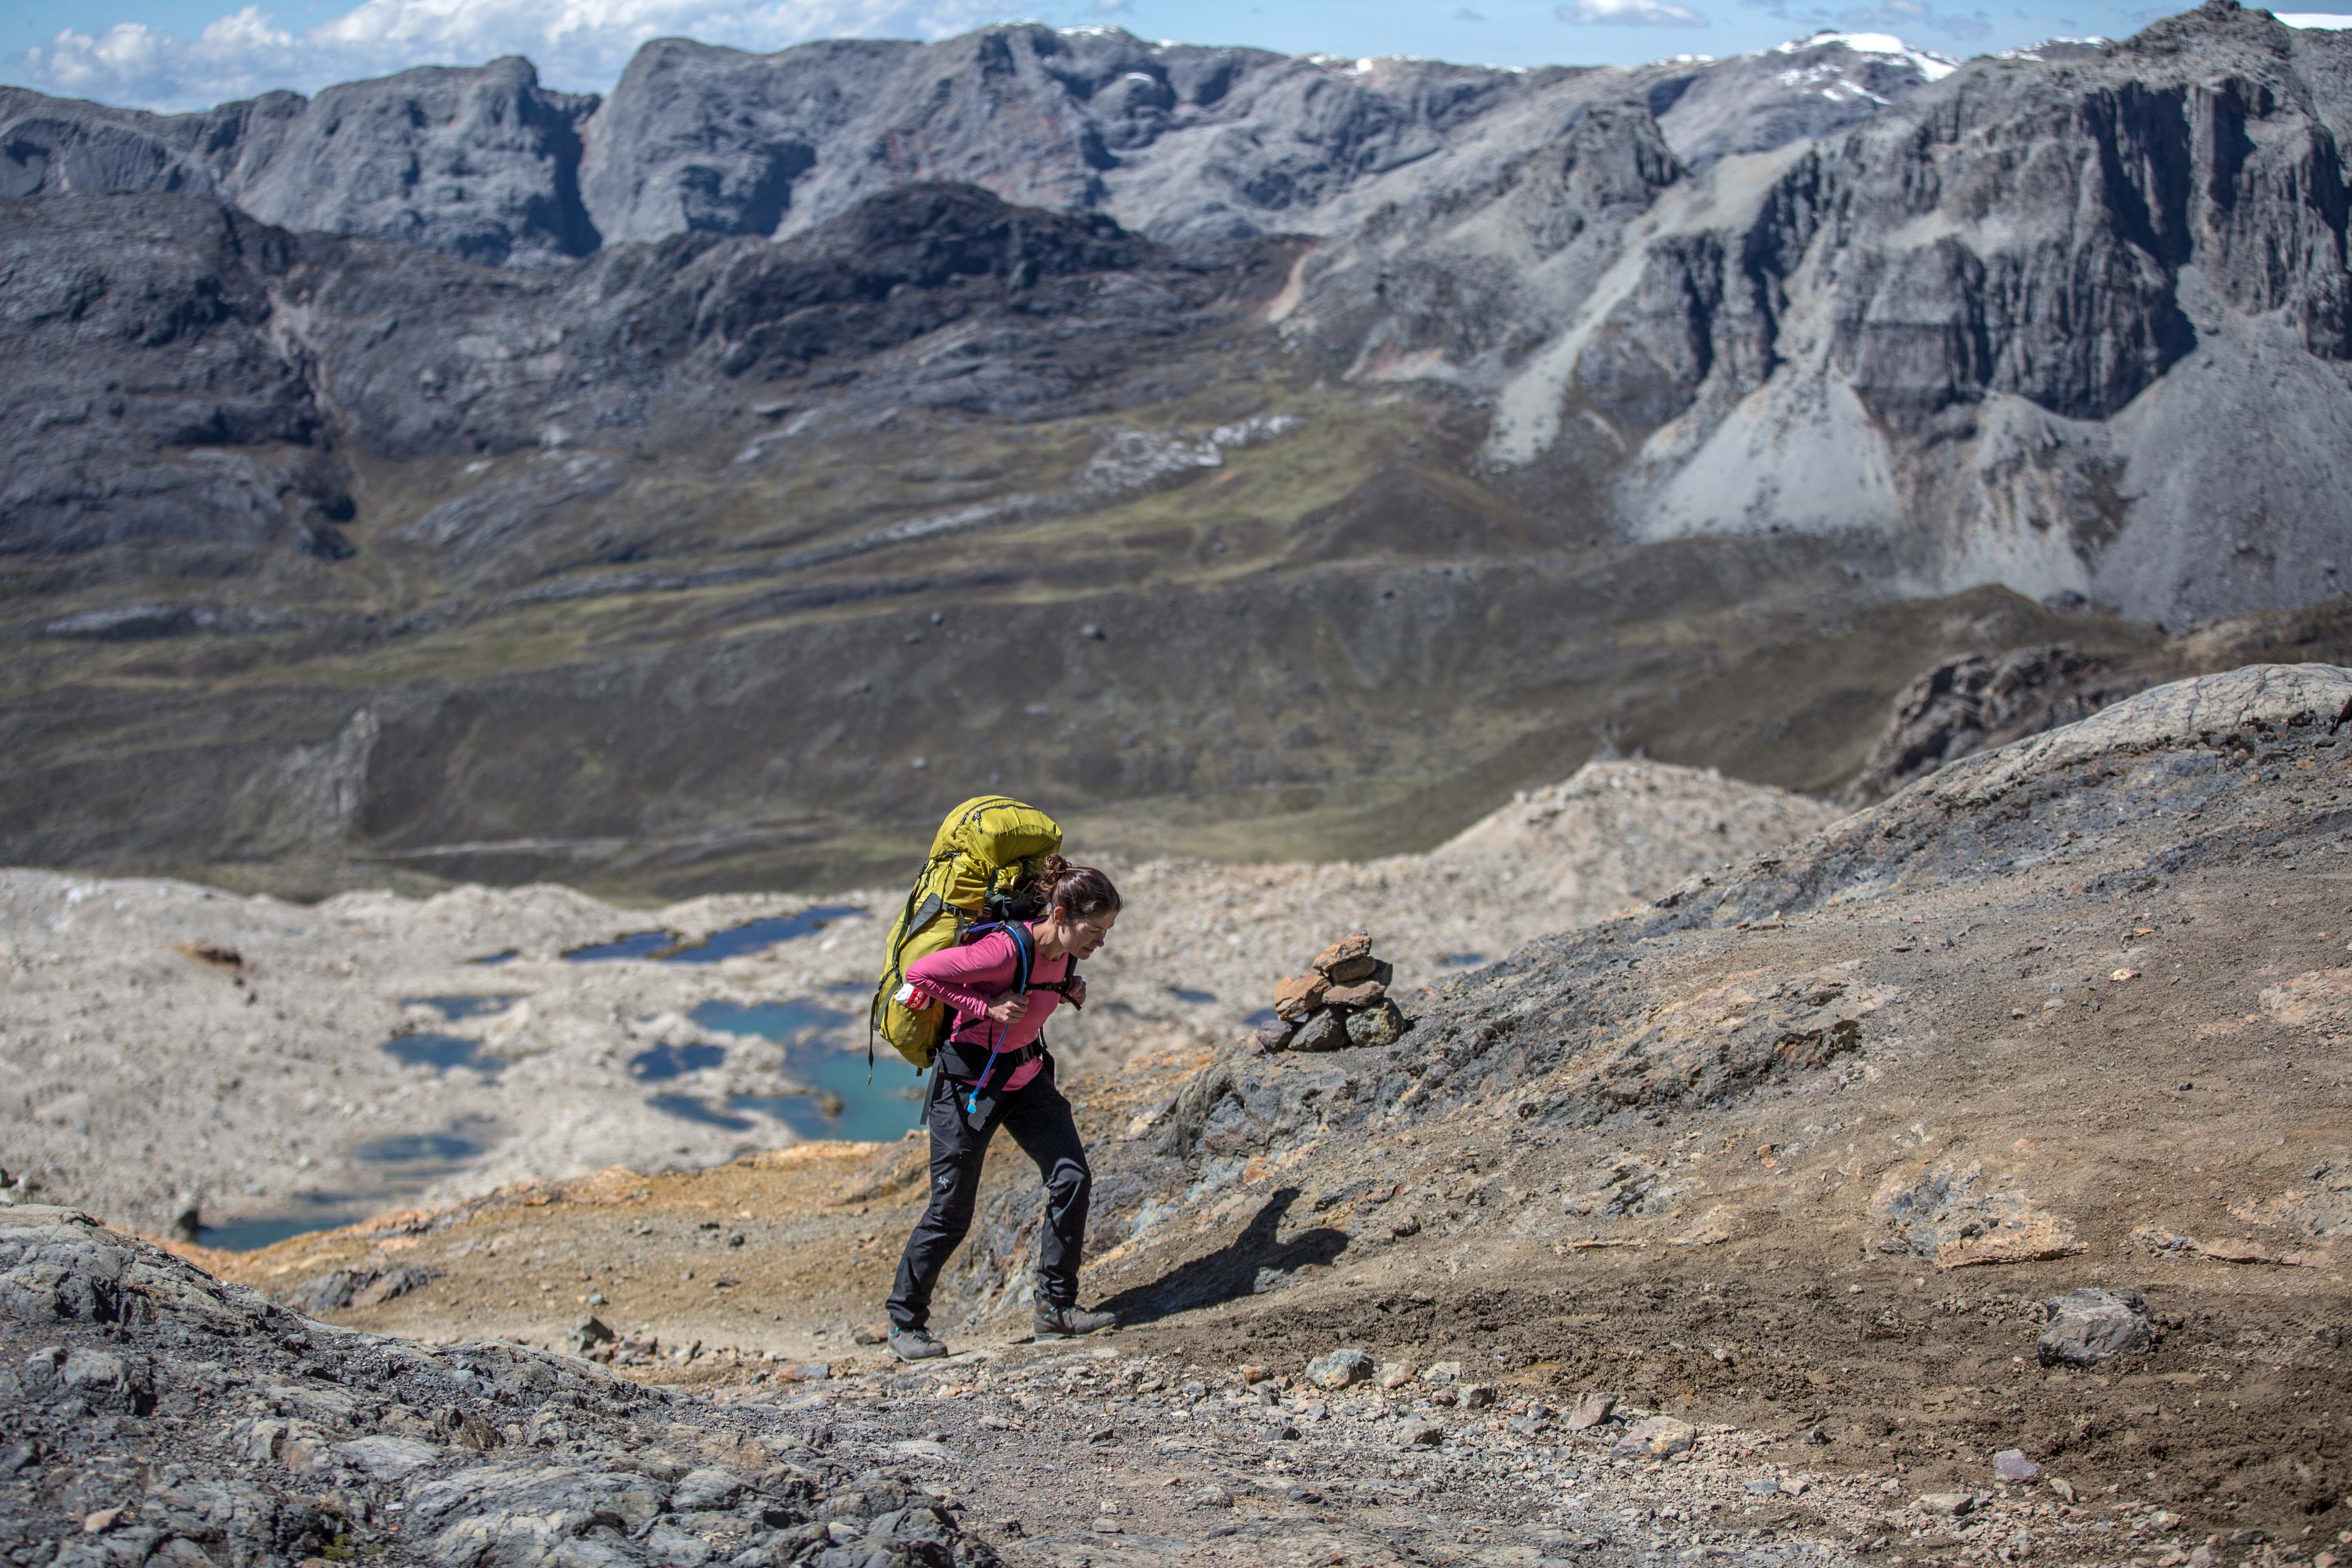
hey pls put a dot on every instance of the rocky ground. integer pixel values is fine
(358, 1054)
(1751, 1225)
(153, 1414)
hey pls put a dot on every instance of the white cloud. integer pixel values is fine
(1630, 14)
(575, 43)
(2324, 21)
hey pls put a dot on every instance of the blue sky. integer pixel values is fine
(181, 54)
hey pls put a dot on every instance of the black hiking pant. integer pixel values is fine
(1040, 1121)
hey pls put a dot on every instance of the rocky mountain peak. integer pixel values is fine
(1173, 140)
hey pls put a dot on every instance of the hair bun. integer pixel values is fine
(1079, 890)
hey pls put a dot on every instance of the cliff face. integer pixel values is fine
(2078, 326)
(481, 163)
(152, 401)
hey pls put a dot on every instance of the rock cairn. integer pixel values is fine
(1342, 1000)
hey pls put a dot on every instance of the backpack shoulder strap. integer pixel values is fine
(1024, 960)
(1062, 987)
(1025, 949)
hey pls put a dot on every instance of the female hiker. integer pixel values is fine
(994, 1068)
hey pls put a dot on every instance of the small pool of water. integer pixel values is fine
(755, 936)
(787, 1023)
(666, 1061)
(693, 1108)
(453, 1008)
(1197, 998)
(419, 1150)
(425, 1049)
(505, 955)
(823, 1047)
(751, 936)
(1461, 960)
(1263, 1016)
(324, 1212)
(870, 1112)
(395, 1169)
(637, 944)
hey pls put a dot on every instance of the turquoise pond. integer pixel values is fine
(823, 1046)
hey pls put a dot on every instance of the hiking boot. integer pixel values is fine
(1069, 1323)
(916, 1344)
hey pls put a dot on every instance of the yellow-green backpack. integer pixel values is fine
(984, 851)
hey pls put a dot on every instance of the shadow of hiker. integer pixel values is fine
(1233, 1270)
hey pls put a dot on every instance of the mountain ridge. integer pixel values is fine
(1558, 413)
(703, 138)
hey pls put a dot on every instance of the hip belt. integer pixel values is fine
(967, 1059)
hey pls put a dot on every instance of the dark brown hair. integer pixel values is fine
(1079, 891)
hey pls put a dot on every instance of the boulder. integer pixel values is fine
(1275, 1034)
(1379, 1025)
(710, 1488)
(1337, 1369)
(1363, 994)
(1592, 1410)
(588, 1332)
(392, 1284)
(1323, 1032)
(2086, 1327)
(1654, 1438)
(386, 1456)
(1300, 995)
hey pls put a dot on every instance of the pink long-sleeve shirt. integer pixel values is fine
(974, 978)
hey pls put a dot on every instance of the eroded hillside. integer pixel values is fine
(1794, 1156)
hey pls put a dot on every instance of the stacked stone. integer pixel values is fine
(1342, 1000)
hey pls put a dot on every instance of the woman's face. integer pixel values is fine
(1083, 934)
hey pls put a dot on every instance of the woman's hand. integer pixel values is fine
(1008, 1011)
(1077, 990)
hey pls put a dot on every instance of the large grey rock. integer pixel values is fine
(2158, 755)
(306, 1440)
(2086, 1327)
(1337, 1369)
(1325, 1030)
(147, 404)
(1974, 703)
(481, 163)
